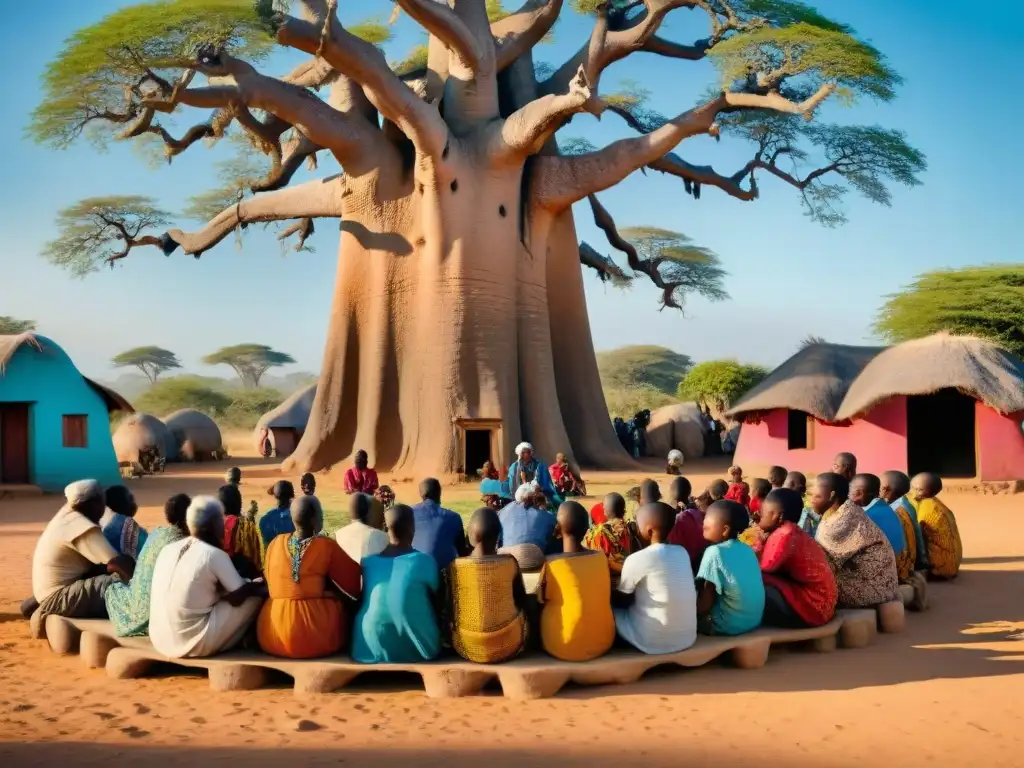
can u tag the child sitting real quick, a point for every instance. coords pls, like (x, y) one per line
(688, 529)
(777, 477)
(655, 603)
(730, 592)
(938, 527)
(737, 489)
(759, 490)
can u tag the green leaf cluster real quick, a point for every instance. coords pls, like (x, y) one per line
(643, 365)
(720, 383)
(981, 301)
(249, 361)
(11, 326)
(693, 268)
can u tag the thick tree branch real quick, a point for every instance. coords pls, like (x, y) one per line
(527, 129)
(516, 34)
(672, 50)
(314, 199)
(443, 23)
(365, 64)
(606, 223)
(695, 176)
(303, 228)
(606, 268)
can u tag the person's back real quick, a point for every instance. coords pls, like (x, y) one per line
(663, 618)
(437, 531)
(526, 525)
(576, 622)
(941, 537)
(882, 515)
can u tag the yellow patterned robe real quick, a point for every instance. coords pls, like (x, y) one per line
(941, 537)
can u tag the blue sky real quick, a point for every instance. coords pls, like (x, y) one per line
(788, 277)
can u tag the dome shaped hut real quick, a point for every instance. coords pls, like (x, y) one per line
(278, 431)
(139, 433)
(197, 435)
(676, 427)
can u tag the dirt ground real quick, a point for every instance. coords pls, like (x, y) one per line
(941, 693)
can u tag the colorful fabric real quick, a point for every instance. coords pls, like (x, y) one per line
(304, 617)
(860, 556)
(576, 620)
(397, 622)
(755, 505)
(385, 496)
(740, 493)
(809, 520)
(732, 568)
(242, 537)
(614, 538)
(533, 471)
(439, 532)
(688, 532)
(752, 536)
(663, 616)
(361, 480)
(128, 604)
(276, 522)
(527, 525)
(905, 563)
(798, 568)
(487, 627)
(904, 503)
(941, 538)
(124, 534)
(882, 515)
(564, 481)
(597, 515)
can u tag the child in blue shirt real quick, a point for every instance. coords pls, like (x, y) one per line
(730, 591)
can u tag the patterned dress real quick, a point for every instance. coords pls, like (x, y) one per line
(798, 568)
(242, 537)
(860, 556)
(128, 604)
(616, 538)
(941, 537)
(124, 534)
(486, 625)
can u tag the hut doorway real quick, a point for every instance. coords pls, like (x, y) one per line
(480, 441)
(14, 464)
(478, 449)
(941, 434)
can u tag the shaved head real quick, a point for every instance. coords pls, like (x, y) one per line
(655, 521)
(796, 481)
(573, 520)
(400, 524)
(845, 464)
(830, 490)
(307, 515)
(431, 489)
(864, 489)
(649, 492)
(894, 485)
(485, 529)
(925, 485)
(718, 489)
(614, 506)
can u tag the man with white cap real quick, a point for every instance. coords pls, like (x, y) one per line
(526, 469)
(73, 563)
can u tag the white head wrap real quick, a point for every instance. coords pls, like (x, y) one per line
(81, 491)
(675, 456)
(523, 447)
(526, 490)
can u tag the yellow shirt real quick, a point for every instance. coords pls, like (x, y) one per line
(576, 622)
(941, 537)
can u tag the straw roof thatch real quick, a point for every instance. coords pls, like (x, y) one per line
(11, 344)
(814, 380)
(293, 413)
(976, 367)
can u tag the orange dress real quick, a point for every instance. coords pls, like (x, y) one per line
(303, 618)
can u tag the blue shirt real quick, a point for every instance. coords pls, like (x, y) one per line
(522, 525)
(922, 550)
(884, 517)
(733, 568)
(274, 523)
(809, 520)
(437, 530)
(396, 622)
(540, 477)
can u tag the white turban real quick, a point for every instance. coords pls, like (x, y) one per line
(675, 457)
(523, 447)
(525, 491)
(81, 491)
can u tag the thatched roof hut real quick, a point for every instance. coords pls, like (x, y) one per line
(197, 435)
(973, 366)
(283, 426)
(814, 381)
(140, 432)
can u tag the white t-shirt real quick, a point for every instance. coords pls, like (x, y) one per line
(360, 540)
(70, 545)
(189, 580)
(663, 618)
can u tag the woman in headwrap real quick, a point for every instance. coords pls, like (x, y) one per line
(118, 522)
(242, 539)
(528, 469)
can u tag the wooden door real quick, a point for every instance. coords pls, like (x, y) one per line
(14, 468)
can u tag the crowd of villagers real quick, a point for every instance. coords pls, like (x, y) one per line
(404, 584)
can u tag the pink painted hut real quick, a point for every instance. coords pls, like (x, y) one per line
(946, 404)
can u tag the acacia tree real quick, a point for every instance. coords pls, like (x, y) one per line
(980, 301)
(152, 361)
(458, 254)
(249, 361)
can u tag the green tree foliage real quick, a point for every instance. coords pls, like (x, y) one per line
(249, 361)
(981, 301)
(626, 402)
(719, 383)
(102, 230)
(672, 256)
(177, 392)
(12, 326)
(248, 405)
(151, 361)
(652, 366)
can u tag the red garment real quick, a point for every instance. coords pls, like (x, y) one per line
(793, 563)
(230, 521)
(755, 504)
(561, 477)
(597, 513)
(688, 532)
(738, 492)
(361, 480)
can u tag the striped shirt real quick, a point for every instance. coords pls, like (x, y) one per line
(663, 618)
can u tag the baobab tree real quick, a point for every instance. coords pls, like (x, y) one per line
(458, 253)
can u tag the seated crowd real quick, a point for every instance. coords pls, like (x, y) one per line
(401, 584)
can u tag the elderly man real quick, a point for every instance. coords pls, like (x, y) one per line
(73, 564)
(845, 465)
(527, 524)
(200, 605)
(527, 468)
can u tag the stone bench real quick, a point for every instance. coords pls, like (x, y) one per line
(528, 677)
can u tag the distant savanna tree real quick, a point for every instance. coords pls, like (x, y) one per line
(719, 383)
(11, 326)
(981, 301)
(152, 361)
(249, 361)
